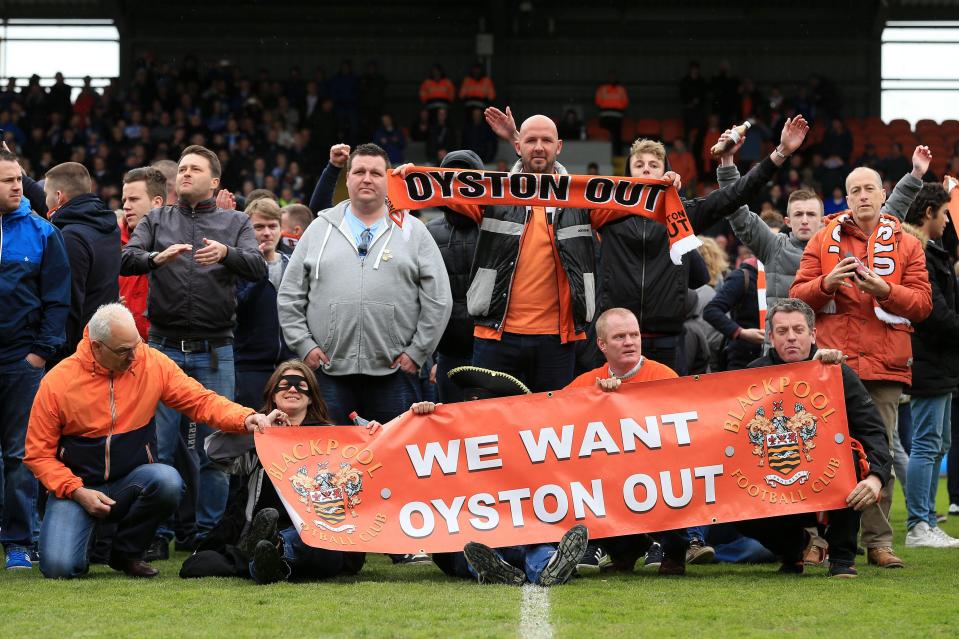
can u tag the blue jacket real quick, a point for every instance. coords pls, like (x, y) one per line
(34, 286)
(92, 238)
(258, 342)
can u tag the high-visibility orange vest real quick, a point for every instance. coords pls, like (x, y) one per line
(477, 92)
(437, 91)
(612, 99)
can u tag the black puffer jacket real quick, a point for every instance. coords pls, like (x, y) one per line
(456, 236)
(935, 344)
(865, 425)
(92, 238)
(637, 272)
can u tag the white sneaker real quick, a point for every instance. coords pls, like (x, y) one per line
(954, 509)
(951, 542)
(921, 536)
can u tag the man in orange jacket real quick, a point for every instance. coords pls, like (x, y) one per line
(868, 282)
(91, 442)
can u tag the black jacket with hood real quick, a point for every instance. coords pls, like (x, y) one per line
(935, 344)
(456, 237)
(92, 238)
(637, 272)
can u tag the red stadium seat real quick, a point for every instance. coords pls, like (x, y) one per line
(648, 128)
(899, 126)
(594, 131)
(672, 128)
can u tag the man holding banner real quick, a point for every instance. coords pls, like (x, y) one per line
(792, 329)
(533, 281)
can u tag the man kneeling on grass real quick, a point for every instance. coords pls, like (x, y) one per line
(792, 331)
(92, 442)
(540, 564)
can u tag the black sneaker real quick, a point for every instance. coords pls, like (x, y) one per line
(159, 550)
(185, 545)
(268, 565)
(563, 562)
(262, 527)
(593, 560)
(654, 556)
(792, 567)
(490, 567)
(842, 572)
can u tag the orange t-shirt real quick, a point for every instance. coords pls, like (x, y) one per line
(534, 304)
(650, 371)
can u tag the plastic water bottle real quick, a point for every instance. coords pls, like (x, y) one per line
(734, 137)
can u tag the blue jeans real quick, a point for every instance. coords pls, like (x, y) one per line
(19, 382)
(530, 559)
(541, 362)
(250, 385)
(379, 397)
(306, 562)
(144, 498)
(214, 484)
(931, 438)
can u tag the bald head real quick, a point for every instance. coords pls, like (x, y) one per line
(538, 121)
(538, 144)
(863, 173)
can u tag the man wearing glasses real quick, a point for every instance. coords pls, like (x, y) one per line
(92, 442)
(365, 298)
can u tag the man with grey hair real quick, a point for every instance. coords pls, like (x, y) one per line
(868, 282)
(92, 442)
(791, 325)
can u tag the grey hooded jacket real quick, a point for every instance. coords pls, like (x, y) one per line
(363, 313)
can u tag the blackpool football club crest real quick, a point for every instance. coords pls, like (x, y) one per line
(783, 443)
(329, 496)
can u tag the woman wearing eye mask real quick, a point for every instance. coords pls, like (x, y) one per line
(256, 538)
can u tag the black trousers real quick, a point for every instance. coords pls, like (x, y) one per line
(785, 536)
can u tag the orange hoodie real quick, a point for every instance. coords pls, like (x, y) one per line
(89, 425)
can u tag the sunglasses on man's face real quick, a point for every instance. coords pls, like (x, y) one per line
(297, 382)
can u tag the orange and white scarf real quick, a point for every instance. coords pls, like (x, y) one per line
(882, 255)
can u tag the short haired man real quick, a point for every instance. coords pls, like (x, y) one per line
(144, 189)
(935, 350)
(619, 339)
(294, 220)
(169, 170)
(792, 327)
(192, 301)
(35, 298)
(868, 281)
(259, 347)
(365, 298)
(92, 239)
(92, 443)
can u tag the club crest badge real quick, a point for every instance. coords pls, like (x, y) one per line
(783, 443)
(329, 496)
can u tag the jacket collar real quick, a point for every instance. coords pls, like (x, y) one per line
(203, 206)
(776, 359)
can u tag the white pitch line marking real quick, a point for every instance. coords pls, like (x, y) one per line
(534, 614)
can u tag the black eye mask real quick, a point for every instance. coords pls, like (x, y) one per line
(292, 381)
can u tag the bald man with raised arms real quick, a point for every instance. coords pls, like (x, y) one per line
(533, 280)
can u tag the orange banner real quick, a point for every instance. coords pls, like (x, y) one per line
(654, 199)
(521, 470)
